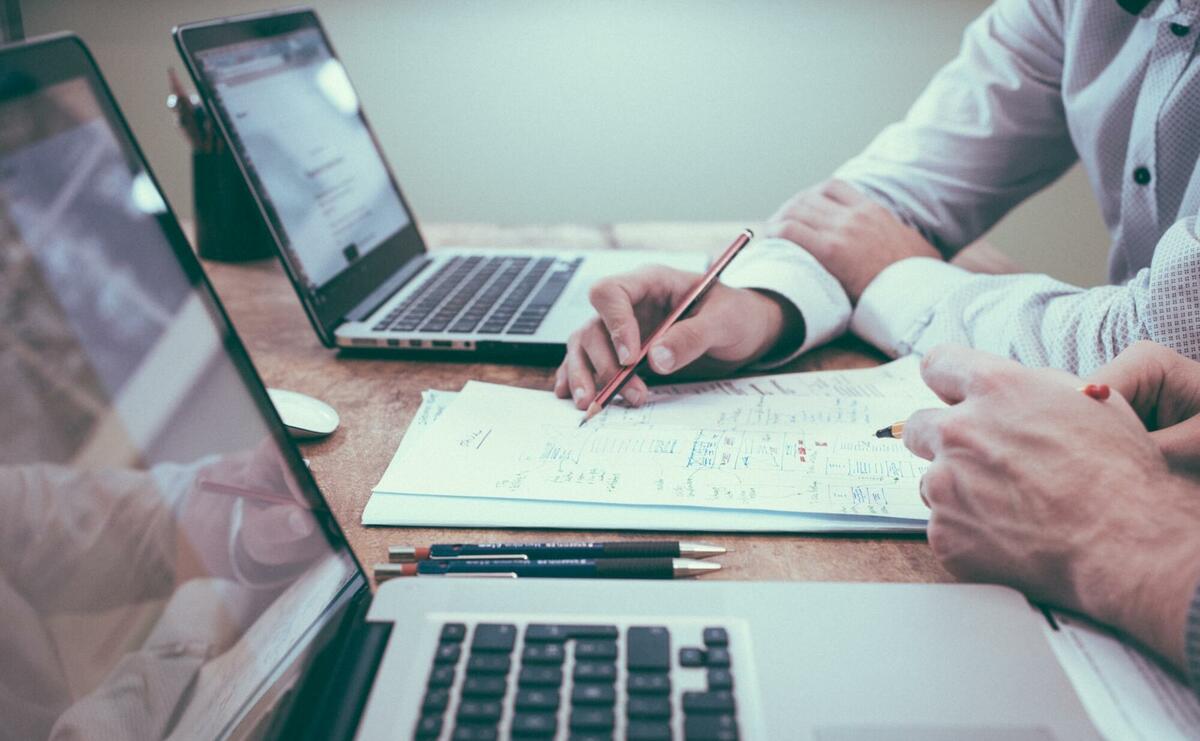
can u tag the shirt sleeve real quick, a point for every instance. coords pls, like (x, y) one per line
(988, 131)
(786, 269)
(918, 303)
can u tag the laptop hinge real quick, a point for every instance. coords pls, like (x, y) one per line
(334, 693)
(386, 290)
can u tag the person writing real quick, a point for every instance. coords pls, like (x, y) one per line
(1095, 508)
(1037, 86)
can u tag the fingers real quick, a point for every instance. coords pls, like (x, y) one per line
(797, 232)
(922, 432)
(954, 372)
(278, 534)
(1147, 374)
(686, 341)
(842, 193)
(1180, 445)
(589, 363)
(617, 299)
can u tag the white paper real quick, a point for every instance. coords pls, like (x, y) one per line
(392, 509)
(795, 443)
(1126, 693)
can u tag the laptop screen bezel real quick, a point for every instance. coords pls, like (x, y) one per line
(47, 60)
(327, 306)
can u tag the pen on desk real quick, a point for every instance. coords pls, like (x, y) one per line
(1097, 391)
(572, 568)
(526, 551)
(692, 298)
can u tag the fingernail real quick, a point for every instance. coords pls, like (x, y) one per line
(663, 359)
(578, 393)
(623, 354)
(633, 396)
(299, 524)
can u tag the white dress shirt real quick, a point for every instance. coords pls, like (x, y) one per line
(1037, 85)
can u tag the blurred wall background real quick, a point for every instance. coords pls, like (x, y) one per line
(625, 110)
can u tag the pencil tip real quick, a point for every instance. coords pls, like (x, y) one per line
(885, 432)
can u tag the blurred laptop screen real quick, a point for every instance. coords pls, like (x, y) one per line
(163, 554)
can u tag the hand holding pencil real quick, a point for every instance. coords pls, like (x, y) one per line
(725, 329)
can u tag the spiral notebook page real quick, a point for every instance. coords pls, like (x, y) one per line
(795, 443)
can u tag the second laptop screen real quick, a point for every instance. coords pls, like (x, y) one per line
(302, 137)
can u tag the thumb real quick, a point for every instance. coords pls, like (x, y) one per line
(686, 341)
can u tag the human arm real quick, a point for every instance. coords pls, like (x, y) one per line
(1035, 485)
(917, 304)
(988, 131)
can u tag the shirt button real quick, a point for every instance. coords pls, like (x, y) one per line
(1141, 176)
(1179, 30)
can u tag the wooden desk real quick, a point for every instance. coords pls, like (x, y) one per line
(377, 399)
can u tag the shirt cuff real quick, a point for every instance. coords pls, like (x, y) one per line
(1191, 648)
(899, 303)
(787, 269)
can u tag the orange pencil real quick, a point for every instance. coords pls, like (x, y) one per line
(691, 299)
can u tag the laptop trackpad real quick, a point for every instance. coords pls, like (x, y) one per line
(932, 733)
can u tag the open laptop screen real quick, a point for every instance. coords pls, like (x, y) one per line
(296, 122)
(288, 109)
(163, 551)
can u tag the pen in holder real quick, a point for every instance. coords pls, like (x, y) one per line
(229, 225)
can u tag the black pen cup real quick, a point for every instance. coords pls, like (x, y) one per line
(229, 224)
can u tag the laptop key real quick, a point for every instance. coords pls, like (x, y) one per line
(494, 637)
(475, 733)
(710, 728)
(648, 649)
(441, 676)
(539, 632)
(592, 719)
(543, 653)
(537, 699)
(595, 650)
(593, 694)
(540, 676)
(648, 684)
(691, 657)
(648, 707)
(484, 687)
(429, 726)
(534, 724)
(435, 701)
(488, 664)
(447, 653)
(720, 679)
(648, 730)
(718, 657)
(590, 671)
(720, 701)
(453, 633)
(716, 637)
(486, 711)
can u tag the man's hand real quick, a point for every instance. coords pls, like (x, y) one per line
(729, 328)
(1163, 387)
(852, 236)
(1035, 485)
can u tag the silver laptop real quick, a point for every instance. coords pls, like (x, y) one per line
(168, 567)
(346, 234)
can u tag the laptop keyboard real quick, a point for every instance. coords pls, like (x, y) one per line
(577, 682)
(486, 295)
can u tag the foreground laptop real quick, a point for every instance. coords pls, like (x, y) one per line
(347, 236)
(168, 567)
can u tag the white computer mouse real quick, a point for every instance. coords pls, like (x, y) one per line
(306, 418)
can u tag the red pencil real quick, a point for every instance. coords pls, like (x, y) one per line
(691, 299)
